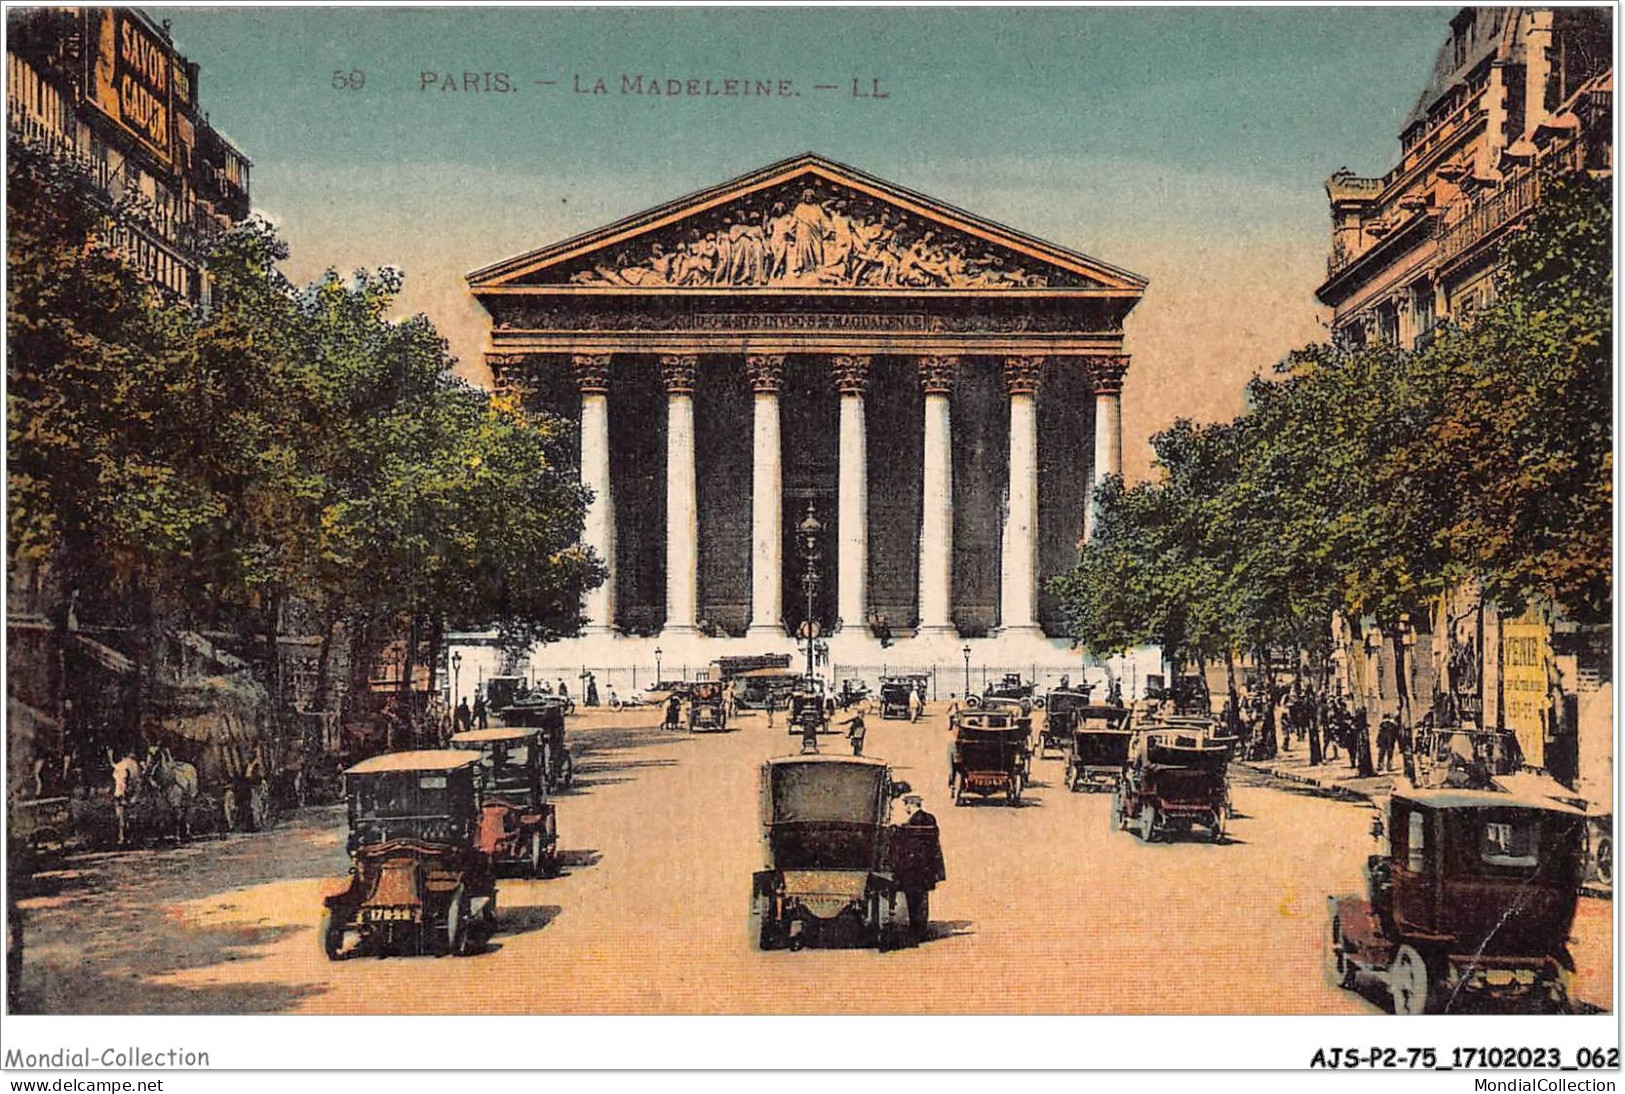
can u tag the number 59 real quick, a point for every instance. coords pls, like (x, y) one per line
(354, 80)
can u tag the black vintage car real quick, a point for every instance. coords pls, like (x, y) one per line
(1471, 902)
(1061, 718)
(897, 697)
(417, 875)
(808, 709)
(832, 861)
(1098, 747)
(546, 722)
(518, 825)
(706, 710)
(1011, 686)
(991, 753)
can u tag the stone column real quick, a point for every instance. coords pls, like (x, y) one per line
(766, 501)
(682, 517)
(852, 559)
(1107, 373)
(598, 529)
(1018, 575)
(937, 517)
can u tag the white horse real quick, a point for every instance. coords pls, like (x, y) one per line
(176, 784)
(126, 788)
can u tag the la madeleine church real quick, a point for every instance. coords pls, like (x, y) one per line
(940, 393)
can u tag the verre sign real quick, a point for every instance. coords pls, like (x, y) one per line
(131, 77)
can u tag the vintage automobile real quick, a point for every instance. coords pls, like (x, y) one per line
(853, 695)
(1176, 777)
(1061, 718)
(1011, 686)
(417, 872)
(547, 722)
(990, 753)
(896, 697)
(1098, 747)
(706, 710)
(831, 860)
(758, 687)
(518, 825)
(1473, 900)
(808, 707)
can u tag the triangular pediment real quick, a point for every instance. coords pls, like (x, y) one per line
(805, 224)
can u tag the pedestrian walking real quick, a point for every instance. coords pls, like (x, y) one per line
(464, 718)
(855, 731)
(481, 716)
(1387, 738)
(564, 692)
(592, 690)
(730, 700)
(674, 708)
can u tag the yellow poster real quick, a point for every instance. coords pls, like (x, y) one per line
(1526, 653)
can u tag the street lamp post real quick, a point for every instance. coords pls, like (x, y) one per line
(810, 529)
(966, 652)
(456, 665)
(658, 677)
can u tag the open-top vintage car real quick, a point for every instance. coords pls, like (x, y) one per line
(832, 861)
(1061, 717)
(1097, 748)
(706, 711)
(1474, 898)
(1176, 777)
(417, 872)
(759, 687)
(1011, 686)
(991, 753)
(518, 825)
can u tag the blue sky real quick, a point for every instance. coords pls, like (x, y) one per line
(1189, 145)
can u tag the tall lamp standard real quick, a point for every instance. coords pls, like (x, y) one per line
(658, 677)
(456, 665)
(966, 652)
(810, 529)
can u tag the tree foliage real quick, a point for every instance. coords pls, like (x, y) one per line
(1366, 480)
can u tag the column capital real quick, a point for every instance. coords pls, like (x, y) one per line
(1107, 371)
(851, 373)
(505, 366)
(1022, 375)
(591, 372)
(678, 370)
(937, 373)
(766, 371)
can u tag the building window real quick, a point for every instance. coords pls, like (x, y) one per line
(1388, 325)
(1422, 313)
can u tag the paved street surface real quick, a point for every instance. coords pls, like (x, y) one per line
(1045, 908)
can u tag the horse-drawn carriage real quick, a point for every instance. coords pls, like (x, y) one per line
(706, 710)
(1098, 747)
(518, 825)
(1176, 777)
(832, 860)
(1061, 717)
(991, 752)
(1473, 899)
(417, 871)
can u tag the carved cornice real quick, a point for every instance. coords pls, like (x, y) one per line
(678, 370)
(937, 374)
(1107, 372)
(1022, 375)
(591, 372)
(851, 374)
(766, 371)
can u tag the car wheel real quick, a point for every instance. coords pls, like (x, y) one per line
(1409, 984)
(1605, 860)
(457, 922)
(331, 933)
(1339, 970)
(1148, 823)
(616, 706)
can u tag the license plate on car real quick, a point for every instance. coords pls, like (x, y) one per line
(389, 915)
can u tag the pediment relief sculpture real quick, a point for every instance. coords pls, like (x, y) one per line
(815, 236)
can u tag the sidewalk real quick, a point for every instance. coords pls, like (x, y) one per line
(1336, 779)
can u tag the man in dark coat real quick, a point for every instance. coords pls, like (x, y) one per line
(481, 719)
(674, 708)
(855, 731)
(464, 719)
(916, 861)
